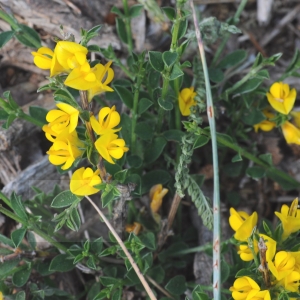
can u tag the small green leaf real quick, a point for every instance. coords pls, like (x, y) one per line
(148, 240)
(201, 141)
(22, 36)
(117, 294)
(21, 296)
(286, 182)
(9, 121)
(144, 130)
(61, 263)
(154, 177)
(215, 75)
(7, 266)
(3, 114)
(256, 172)
(267, 157)
(75, 220)
(121, 30)
(125, 95)
(143, 105)
(253, 117)
(31, 239)
(165, 103)
(116, 11)
(176, 285)
(182, 29)
(93, 48)
(169, 12)
(135, 10)
(17, 236)
(64, 199)
(38, 113)
(97, 245)
(21, 277)
(225, 270)
(5, 37)
(18, 206)
(121, 176)
(91, 263)
(134, 161)
(236, 158)
(63, 96)
(249, 86)
(156, 60)
(169, 58)
(6, 241)
(109, 281)
(233, 59)
(176, 72)
(157, 273)
(173, 135)
(244, 272)
(152, 153)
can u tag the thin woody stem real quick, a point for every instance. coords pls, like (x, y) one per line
(173, 210)
(133, 263)
(85, 106)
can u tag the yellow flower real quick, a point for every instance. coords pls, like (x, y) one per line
(186, 100)
(291, 133)
(1, 296)
(245, 288)
(296, 255)
(83, 182)
(291, 282)
(90, 79)
(290, 218)
(135, 228)
(109, 146)
(70, 55)
(101, 72)
(265, 125)
(59, 120)
(108, 119)
(156, 194)
(246, 254)
(283, 265)
(296, 118)
(242, 224)
(281, 97)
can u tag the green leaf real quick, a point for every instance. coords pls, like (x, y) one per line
(286, 182)
(117, 294)
(134, 161)
(233, 169)
(295, 62)
(157, 273)
(109, 281)
(9, 121)
(64, 199)
(38, 113)
(148, 239)
(267, 157)
(74, 220)
(18, 206)
(256, 172)
(215, 75)
(153, 78)
(144, 130)
(91, 263)
(143, 105)
(169, 12)
(176, 285)
(165, 103)
(24, 33)
(7, 266)
(157, 146)
(93, 48)
(17, 236)
(6, 241)
(97, 245)
(244, 272)
(3, 114)
(21, 296)
(121, 30)
(116, 11)
(125, 95)
(236, 158)
(249, 86)
(176, 72)
(253, 117)
(262, 74)
(154, 177)
(267, 229)
(169, 58)
(173, 135)
(156, 60)
(201, 141)
(135, 10)
(61, 263)
(5, 37)
(121, 176)
(225, 270)
(182, 29)
(63, 96)
(31, 239)
(21, 277)
(233, 59)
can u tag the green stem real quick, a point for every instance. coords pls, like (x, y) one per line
(161, 111)
(12, 215)
(177, 118)
(30, 119)
(127, 25)
(227, 35)
(216, 199)
(5, 199)
(137, 86)
(207, 288)
(251, 247)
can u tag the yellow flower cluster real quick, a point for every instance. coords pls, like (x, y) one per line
(70, 57)
(186, 100)
(282, 99)
(284, 266)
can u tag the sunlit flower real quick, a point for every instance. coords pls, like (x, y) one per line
(104, 75)
(157, 192)
(281, 97)
(186, 100)
(90, 79)
(135, 228)
(242, 224)
(45, 59)
(291, 133)
(265, 125)
(245, 288)
(83, 182)
(70, 55)
(290, 218)
(109, 147)
(59, 120)
(296, 255)
(246, 254)
(283, 265)
(108, 119)
(291, 282)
